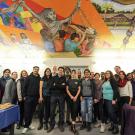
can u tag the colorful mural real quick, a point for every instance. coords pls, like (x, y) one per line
(78, 30)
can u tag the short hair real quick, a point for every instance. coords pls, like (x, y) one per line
(5, 70)
(86, 70)
(118, 66)
(35, 67)
(61, 68)
(14, 72)
(74, 35)
(97, 74)
(73, 71)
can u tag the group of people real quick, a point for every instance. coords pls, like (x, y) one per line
(92, 98)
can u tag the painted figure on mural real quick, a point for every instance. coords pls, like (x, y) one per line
(51, 25)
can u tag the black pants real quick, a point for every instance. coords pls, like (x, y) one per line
(74, 109)
(109, 111)
(29, 109)
(123, 100)
(98, 110)
(133, 101)
(21, 105)
(68, 108)
(46, 109)
(60, 101)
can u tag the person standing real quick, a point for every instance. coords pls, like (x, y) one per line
(133, 87)
(20, 89)
(10, 93)
(73, 91)
(31, 96)
(87, 97)
(58, 92)
(3, 81)
(110, 97)
(44, 100)
(125, 90)
(117, 70)
(98, 100)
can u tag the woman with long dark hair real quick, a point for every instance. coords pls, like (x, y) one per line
(45, 86)
(125, 90)
(20, 88)
(110, 97)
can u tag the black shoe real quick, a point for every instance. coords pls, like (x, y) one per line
(40, 126)
(116, 129)
(83, 126)
(46, 127)
(50, 129)
(68, 123)
(61, 128)
(111, 128)
(18, 126)
(89, 127)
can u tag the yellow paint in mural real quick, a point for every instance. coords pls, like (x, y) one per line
(25, 14)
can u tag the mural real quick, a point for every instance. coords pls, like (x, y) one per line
(119, 16)
(57, 35)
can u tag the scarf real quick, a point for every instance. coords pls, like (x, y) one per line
(122, 83)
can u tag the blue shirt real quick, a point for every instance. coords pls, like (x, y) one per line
(107, 91)
(70, 46)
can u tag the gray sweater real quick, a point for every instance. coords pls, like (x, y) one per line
(10, 92)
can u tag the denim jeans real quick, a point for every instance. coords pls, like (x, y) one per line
(86, 109)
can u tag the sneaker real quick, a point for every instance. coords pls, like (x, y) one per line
(97, 125)
(102, 129)
(24, 130)
(31, 127)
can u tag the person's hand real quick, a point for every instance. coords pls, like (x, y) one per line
(71, 97)
(74, 99)
(113, 102)
(95, 100)
(40, 100)
(81, 98)
(24, 98)
(20, 100)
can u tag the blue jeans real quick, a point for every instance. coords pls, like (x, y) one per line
(86, 109)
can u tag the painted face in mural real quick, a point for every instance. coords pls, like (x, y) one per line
(52, 15)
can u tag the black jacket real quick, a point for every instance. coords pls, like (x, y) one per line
(58, 85)
(31, 86)
(115, 89)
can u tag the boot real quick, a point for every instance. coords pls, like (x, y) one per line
(40, 126)
(83, 126)
(18, 126)
(111, 128)
(73, 129)
(102, 129)
(88, 126)
(46, 127)
(116, 129)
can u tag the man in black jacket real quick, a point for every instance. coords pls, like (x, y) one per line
(31, 96)
(58, 97)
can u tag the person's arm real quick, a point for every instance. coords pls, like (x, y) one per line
(41, 91)
(78, 92)
(130, 92)
(19, 91)
(68, 92)
(26, 83)
(69, 19)
(7, 93)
